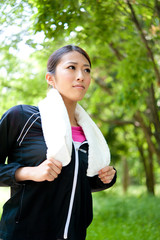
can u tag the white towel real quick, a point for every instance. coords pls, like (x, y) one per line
(58, 136)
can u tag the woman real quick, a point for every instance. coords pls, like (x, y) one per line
(56, 157)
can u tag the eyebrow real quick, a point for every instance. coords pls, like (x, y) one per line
(86, 65)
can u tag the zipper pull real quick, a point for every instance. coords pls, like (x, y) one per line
(82, 150)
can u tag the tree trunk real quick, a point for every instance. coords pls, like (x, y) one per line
(125, 177)
(150, 178)
(154, 117)
(145, 41)
(148, 168)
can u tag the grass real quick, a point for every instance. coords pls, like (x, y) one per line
(134, 216)
(4, 196)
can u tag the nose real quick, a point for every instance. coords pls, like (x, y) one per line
(80, 76)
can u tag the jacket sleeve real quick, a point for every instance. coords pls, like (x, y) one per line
(9, 126)
(97, 185)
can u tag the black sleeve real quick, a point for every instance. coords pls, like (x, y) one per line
(97, 185)
(9, 128)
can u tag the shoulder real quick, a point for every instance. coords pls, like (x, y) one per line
(21, 109)
(13, 120)
(24, 108)
(29, 110)
(19, 113)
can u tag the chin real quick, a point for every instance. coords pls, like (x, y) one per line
(73, 99)
(79, 99)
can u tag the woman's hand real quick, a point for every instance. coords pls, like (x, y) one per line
(46, 171)
(106, 174)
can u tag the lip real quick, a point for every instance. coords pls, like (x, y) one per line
(79, 86)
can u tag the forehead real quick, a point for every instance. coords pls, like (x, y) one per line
(74, 56)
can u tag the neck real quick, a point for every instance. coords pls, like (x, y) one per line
(71, 112)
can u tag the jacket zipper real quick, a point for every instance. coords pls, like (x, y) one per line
(73, 191)
(21, 203)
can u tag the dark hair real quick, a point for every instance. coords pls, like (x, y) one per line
(56, 56)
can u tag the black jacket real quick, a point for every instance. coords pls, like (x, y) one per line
(39, 210)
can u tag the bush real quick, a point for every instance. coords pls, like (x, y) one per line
(125, 217)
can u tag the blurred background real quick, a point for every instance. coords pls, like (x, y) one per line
(123, 40)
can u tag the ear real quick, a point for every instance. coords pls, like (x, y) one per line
(50, 79)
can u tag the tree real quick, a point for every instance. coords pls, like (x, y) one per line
(122, 38)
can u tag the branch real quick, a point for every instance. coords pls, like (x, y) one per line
(117, 53)
(119, 122)
(147, 134)
(157, 7)
(146, 6)
(123, 7)
(116, 122)
(144, 40)
(103, 85)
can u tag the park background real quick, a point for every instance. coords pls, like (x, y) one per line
(123, 40)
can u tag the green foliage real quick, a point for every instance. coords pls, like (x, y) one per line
(125, 217)
(123, 67)
(105, 23)
(21, 82)
(110, 36)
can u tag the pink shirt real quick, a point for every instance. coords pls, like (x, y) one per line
(78, 134)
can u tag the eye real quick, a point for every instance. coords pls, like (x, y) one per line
(88, 70)
(72, 67)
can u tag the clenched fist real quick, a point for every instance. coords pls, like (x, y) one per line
(46, 171)
(106, 174)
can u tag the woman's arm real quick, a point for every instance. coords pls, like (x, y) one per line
(105, 179)
(9, 125)
(46, 171)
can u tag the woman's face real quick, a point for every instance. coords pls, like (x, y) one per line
(72, 77)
